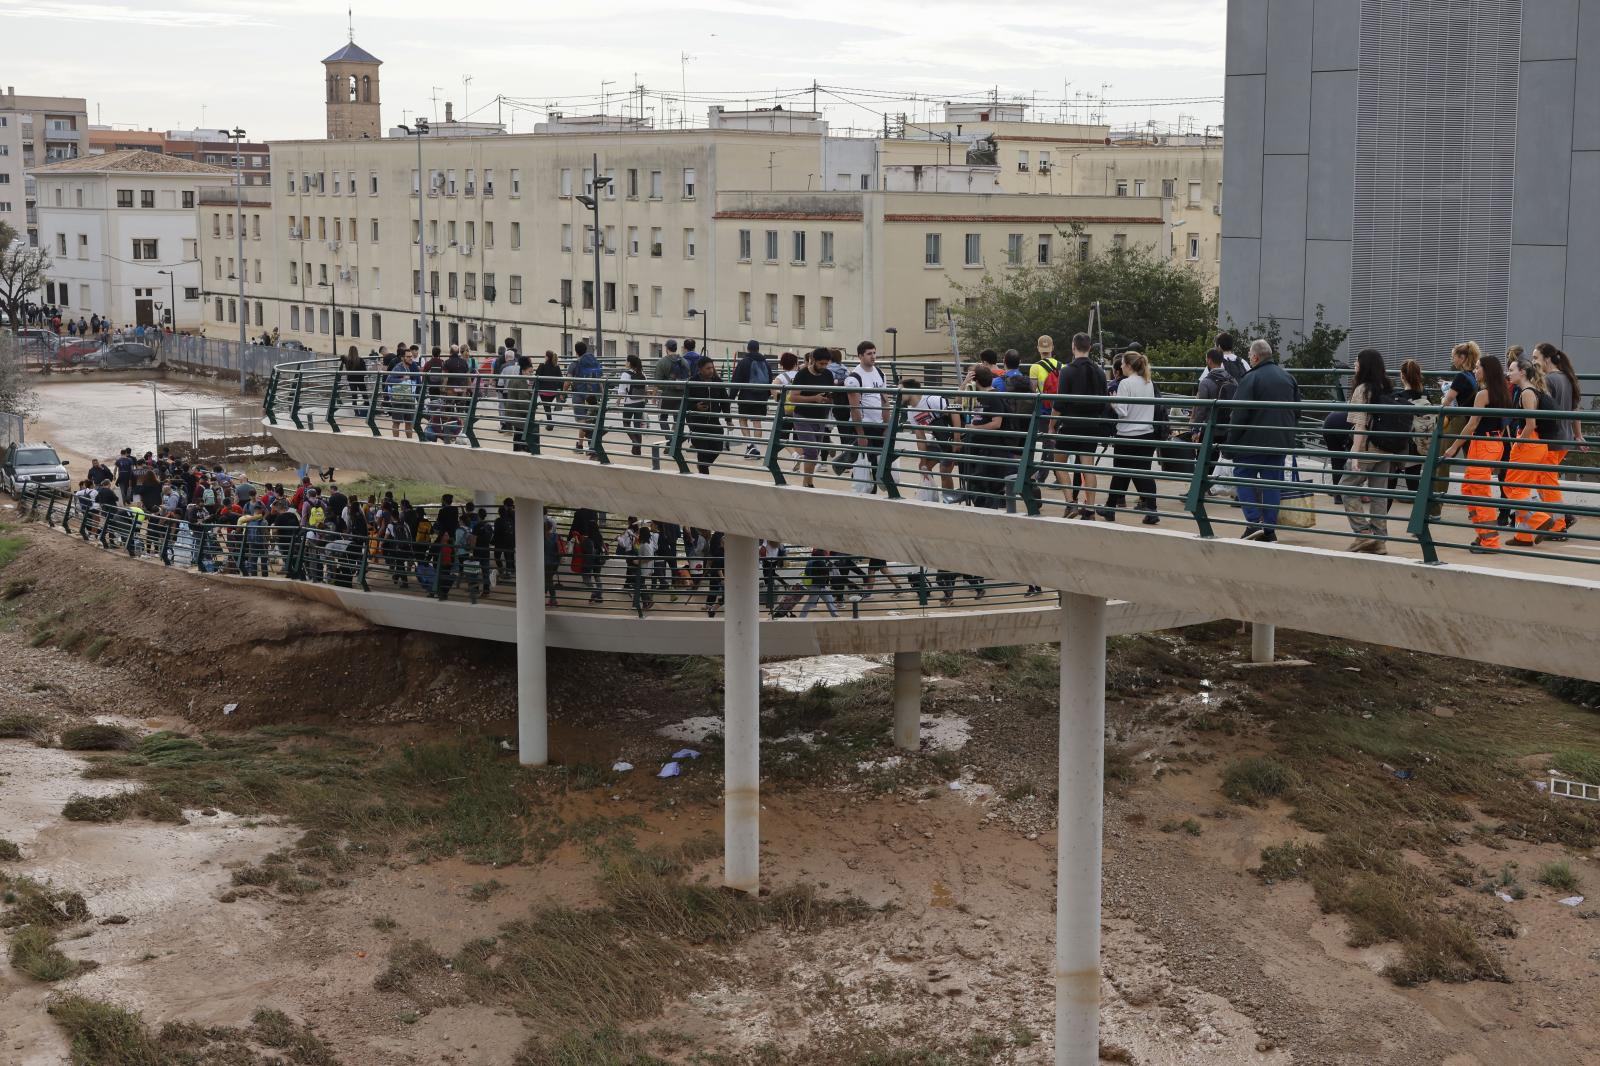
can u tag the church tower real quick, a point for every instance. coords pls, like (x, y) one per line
(352, 91)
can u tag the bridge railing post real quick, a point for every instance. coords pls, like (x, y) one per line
(421, 406)
(773, 460)
(333, 399)
(1022, 480)
(373, 400)
(595, 446)
(1195, 501)
(530, 422)
(884, 465)
(675, 449)
(469, 419)
(294, 398)
(1422, 502)
(269, 400)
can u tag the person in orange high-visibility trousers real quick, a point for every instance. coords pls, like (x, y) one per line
(1527, 382)
(1483, 439)
(1561, 383)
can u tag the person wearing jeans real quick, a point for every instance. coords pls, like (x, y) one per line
(1259, 439)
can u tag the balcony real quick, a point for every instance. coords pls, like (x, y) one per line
(63, 136)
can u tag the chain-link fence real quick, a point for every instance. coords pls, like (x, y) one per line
(223, 356)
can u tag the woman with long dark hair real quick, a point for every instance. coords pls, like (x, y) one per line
(1483, 439)
(1561, 383)
(1368, 514)
(1527, 449)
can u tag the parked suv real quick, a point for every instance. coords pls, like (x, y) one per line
(33, 463)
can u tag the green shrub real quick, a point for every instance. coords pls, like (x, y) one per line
(1257, 778)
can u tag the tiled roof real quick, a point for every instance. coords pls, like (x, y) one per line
(352, 53)
(129, 161)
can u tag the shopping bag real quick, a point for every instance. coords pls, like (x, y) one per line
(1297, 495)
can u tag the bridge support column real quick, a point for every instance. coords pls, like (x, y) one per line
(533, 729)
(1079, 821)
(1263, 642)
(908, 700)
(741, 711)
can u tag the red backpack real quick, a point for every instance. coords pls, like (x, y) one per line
(1052, 382)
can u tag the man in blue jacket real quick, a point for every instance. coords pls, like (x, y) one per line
(1251, 431)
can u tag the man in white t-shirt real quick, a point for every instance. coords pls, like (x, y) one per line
(936, 425)
(866, 404)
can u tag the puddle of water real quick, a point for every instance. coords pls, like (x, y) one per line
(97, 419)
(801, 675)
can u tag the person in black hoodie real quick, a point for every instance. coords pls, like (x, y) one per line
(706, 404)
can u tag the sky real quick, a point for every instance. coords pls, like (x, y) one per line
(181, 64)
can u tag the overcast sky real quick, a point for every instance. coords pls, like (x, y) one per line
(256, 63)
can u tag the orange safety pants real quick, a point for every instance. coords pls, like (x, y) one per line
(1520, 485)
(1550, 484)
(1479, 481)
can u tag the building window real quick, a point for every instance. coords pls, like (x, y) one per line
(469, 286)
(1043, 256)
(588, 186)
(1083, 249)
(688, 183)
(633, 299)
(633, 184)
(142, 248)
(488, 234)
(1013, 249)
(294, 314)
(416, 283)
(688, 302)
(827, 312)
(374, 237)
(1122, 187)
(1119, 241)
(452, 286)
(147, 198)
(974, 250)
(799, 240)
(611, 240)
(322, 320)
(744, 246)
(1022, 161)
(744, 307)
(587, 289)
(930, 314)
(377, 280)
(633, 240)
(516, 182)
(488, 181)
(1169, 188)
(932, 253)
(588, 240)
(83, 247)
(608, 294)
(489, 291)
(799, 312)
(61, 245)
(516, 288)
(1194, 194)
(655, 185)
(565, 186)
(688, 244)
(472, 182)
(655, 300)
(377, 327)
(611, 183)
(772, 309)
(655, 242)
(772, 246)
(1194, 246)
(125, 199)
(188, 199)
(1138, 186)
(191, 293)
(566, 236)
(827, 248)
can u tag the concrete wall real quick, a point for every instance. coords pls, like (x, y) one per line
(1294, 77)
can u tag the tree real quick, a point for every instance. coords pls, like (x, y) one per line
(1143, 297)
(22, 271)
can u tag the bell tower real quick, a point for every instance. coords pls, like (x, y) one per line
(350, 84)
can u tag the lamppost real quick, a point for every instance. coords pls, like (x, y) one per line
(419, 131)
(236, 135)
(705, 331)
(173, 285)
(564, 305)
(593, 204)
(894, 353)
(333, 312)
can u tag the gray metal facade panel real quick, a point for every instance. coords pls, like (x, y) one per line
(1585, 353)
(1328, 280)
(1583, 252)
(1283, 243)
(1247, 37)
(1288, 115)
(1544, 152)
(1586, 116)
(1538, 295)
(1240, 290)
(1332, 188)
(1243, 117)
(1549, 29)
(1337, 43)
(1435, 156)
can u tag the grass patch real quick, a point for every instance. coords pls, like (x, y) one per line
(1188, 825)
(9, 852)
(11, 545)
(33, 952)
(1255, 779)
(29, 902)
(1282, 862)
(1558, 875)
(1578, 765)
(21, 726)
(96, 647)
(137, 803)
(97, 737)
(418, 492)
(607, 1046)
(483, 890)
(104, 1034)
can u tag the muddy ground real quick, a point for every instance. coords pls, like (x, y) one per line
(1205, 961)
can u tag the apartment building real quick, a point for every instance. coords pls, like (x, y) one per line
(121, 230)
(34, 130)
(202, 146)
(505, 245)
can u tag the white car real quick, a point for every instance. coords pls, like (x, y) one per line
(33, 464)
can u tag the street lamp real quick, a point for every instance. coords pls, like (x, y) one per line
(236, 135)
(592, 202)
(894, 352)
(564, 305)
(419, 131)
(705, 331)
(173, 285)
(333, 312)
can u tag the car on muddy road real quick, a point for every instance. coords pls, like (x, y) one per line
(33, 464)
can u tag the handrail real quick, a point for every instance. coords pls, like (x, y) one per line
(1222, 448)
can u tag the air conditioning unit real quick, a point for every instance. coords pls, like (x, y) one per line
(1216, 209)
(294, 233)
(488, 293)
(466, 249)
(1022, 167)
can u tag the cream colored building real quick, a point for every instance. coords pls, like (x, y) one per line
(34, 131)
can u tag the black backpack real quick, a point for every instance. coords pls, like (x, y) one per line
(1548, 428)
(1391, 430)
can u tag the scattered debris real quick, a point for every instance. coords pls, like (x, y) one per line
(1276, 663)
(620, 767)
(229, 708)
(671, 769)
(1570, 901)
(686, 753)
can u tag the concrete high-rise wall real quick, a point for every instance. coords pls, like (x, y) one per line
(1419, 168)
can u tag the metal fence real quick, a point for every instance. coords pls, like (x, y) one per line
(223, 356)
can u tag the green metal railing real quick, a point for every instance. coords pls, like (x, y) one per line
(1198, 471)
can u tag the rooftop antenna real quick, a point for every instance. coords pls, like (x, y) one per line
(437, 89)
(350, 12)
(466, 100)
(683, 73)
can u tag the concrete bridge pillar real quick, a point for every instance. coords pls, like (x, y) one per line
(533, 729)
(908, 700)
(741, 710)
(1263, 642)
(1079, 821)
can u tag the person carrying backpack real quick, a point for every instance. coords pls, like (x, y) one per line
(586, 376)
(752, 370)
(1384, 437)
(1215, 384)
(671, 372)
